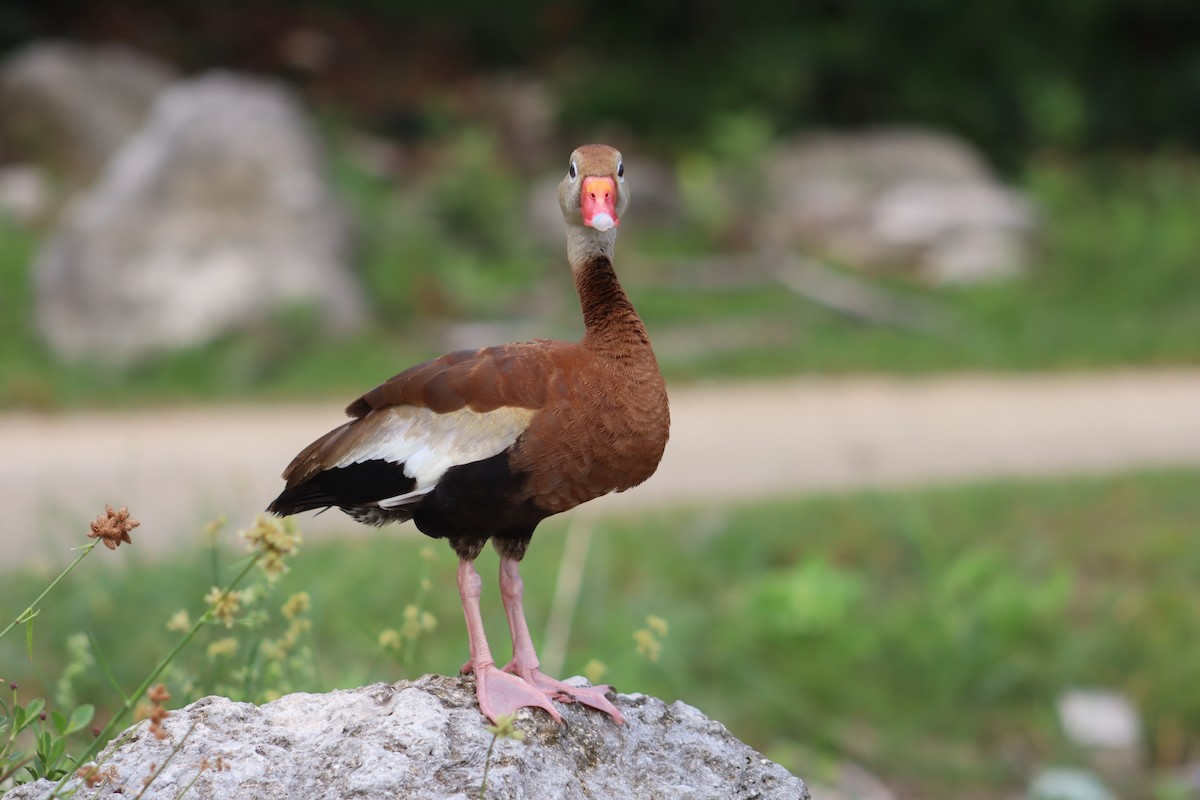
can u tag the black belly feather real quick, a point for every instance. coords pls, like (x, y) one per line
(471, 502)
(477, 501)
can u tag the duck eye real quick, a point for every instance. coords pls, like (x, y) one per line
(620, 169)
(572, 173)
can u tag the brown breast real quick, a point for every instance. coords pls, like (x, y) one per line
(603, 429)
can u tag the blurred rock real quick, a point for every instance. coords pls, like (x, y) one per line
(24, 193)
(426, 740)
(1107, 726)
(1097, 718)
(215, 214)
(1068, 784)
(897, 199)
(68, 107)
(851, 782)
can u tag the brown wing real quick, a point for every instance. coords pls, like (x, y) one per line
(514, 375)
(470, 403)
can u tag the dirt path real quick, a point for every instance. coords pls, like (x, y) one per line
(177, 467)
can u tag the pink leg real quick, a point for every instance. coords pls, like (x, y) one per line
(499, 693)
(525, 660)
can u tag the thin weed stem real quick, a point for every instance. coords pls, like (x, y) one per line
(487, 762)
(31, 612)
(566, 595)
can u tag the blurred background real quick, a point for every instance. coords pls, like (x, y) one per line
(923, 276)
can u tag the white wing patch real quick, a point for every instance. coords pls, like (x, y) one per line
(405, 499)
(428, 443)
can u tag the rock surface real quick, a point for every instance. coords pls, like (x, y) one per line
(897, 199)
(425, 740)
(214, 215)
(68, 107)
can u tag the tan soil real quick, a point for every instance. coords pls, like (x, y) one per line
(176, 468)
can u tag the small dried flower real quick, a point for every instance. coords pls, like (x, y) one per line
(416, 622)
(212, 529)
(647, 645)
(648, 639)
(272, 650)
(113, 527)
(505, 728)
(273, 539)
(296, 605)
(594, 671)
(224, 605)
(154, 710)
(216, 764)
(298, 628)
(91, 775)
(389, 639)
(223, 647)
(179, 622)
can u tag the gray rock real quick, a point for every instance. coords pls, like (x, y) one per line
(69, 107)
(24, 193)
(215, 214)
(1100, 718)
(897, 199)
(425, 740)
(1107, 727)
(1064, 783)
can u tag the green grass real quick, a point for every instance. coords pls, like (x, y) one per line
(924, 634)
(1115, 283)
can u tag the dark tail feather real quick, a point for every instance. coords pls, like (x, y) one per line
(351, 486)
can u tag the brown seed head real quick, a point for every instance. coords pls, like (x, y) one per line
(113, 527)
(89, 774)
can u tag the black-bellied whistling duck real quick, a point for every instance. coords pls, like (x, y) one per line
(485, 444)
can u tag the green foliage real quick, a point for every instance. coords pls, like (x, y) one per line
(449, 242)
(49, 731)
(925, 634)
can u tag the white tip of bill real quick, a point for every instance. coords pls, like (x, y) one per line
(603, 222)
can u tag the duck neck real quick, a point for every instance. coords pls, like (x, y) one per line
(609, 318)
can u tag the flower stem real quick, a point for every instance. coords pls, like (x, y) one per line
(487, 762)
(29, 613)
